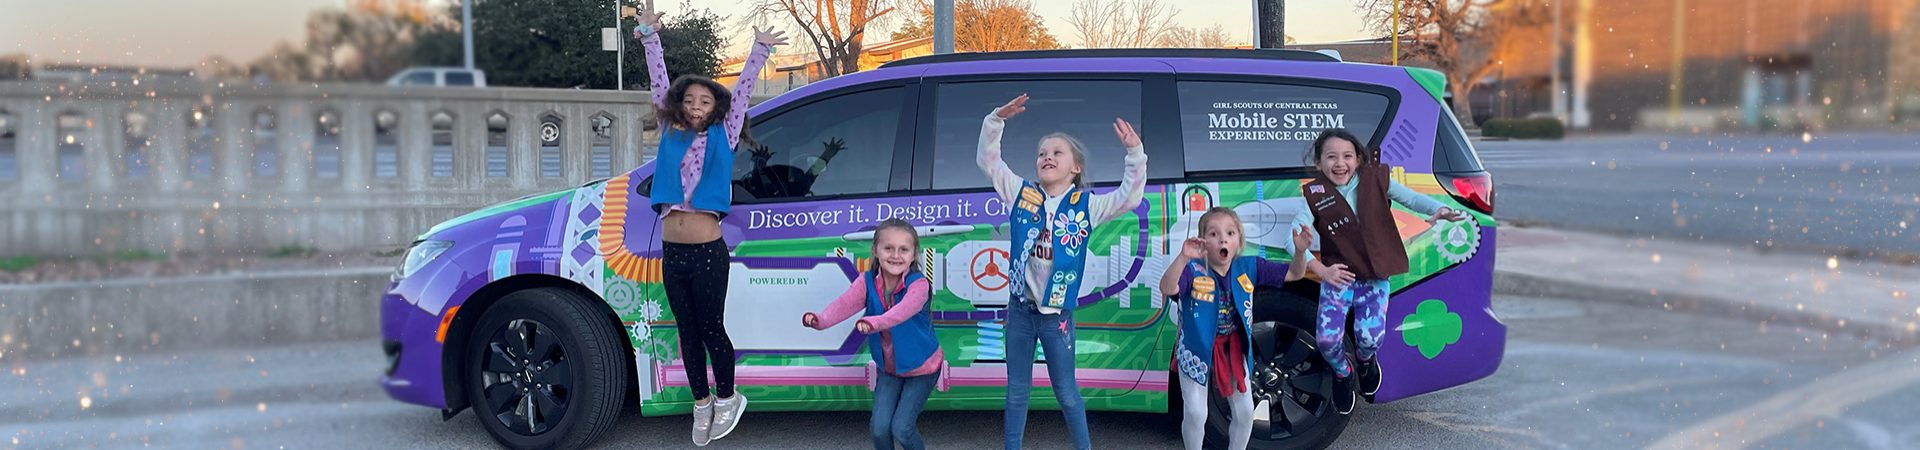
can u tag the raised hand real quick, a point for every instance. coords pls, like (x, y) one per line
(1012, 108)
(832, 147)
(770, 37)
(1194, 248)
(647, 16)
(1124, 131)
(761, 153)
(1302, 239)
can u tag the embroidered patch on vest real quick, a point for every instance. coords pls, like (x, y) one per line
(1203, 288)
(1030, 200)
(1246, 284)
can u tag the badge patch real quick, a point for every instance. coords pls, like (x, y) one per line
(1246, 284)
(1203, 288)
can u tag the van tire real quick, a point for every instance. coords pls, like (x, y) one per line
(570, 367)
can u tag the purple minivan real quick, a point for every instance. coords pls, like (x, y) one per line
(545, 313)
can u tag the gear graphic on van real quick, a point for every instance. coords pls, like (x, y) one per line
(1456, 240)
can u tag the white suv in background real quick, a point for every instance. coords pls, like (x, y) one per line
(440, 77)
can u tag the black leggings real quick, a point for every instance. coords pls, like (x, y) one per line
(696, 281)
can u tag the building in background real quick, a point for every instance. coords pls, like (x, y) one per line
(785, 72)
(1725, 64)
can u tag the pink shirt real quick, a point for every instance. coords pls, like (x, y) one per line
(695, 161)
(855, 299)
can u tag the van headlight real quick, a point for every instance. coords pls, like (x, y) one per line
(423, 252)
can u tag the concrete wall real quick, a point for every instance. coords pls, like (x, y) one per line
(153, 315)
(103, 205)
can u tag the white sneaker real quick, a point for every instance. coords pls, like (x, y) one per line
(727, 413)
(702, 423)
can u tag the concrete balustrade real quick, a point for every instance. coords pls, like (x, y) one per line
(133, 169)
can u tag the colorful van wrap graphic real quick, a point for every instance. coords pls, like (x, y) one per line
(792, 258)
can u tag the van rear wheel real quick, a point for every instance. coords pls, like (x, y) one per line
(1292, 394)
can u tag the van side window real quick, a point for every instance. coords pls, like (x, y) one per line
(1247, 125)
(1084, 109)
(840, 145)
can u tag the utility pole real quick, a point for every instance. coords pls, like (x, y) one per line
(466, 31)
(1270, 23)
(619, 52)
(1582, 63)
(1676, 75)
(942, 27)
(1396, 32)
(1558, 90)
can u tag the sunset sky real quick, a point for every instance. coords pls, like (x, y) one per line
(180, 33)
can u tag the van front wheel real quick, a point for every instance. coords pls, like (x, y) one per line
(544, 371)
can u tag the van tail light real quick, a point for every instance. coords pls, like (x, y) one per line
(1472, 189)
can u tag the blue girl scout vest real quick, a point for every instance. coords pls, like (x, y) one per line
(715, 191)
(913, 340)
(1200, 315)
(1069, 228)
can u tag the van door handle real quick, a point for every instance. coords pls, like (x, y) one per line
(924, 231)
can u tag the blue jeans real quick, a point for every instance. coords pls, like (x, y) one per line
(897, 402)
(1055, 333)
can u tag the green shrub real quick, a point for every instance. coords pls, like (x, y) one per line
(291, 250)
(135, 255)
(1531, 128)
(18, 263)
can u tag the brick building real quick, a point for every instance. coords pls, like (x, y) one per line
(1741, 64)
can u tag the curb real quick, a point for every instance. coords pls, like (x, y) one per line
(1513, 283)
(242, 310)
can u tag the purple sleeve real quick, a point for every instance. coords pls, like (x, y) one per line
(1269, 273)
(1186, 282)
(743, 92)
(656, 73)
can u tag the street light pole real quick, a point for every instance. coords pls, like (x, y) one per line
(466, 32)
(619, 52)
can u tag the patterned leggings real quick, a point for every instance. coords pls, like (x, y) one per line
(696, 281)
(1368, 300)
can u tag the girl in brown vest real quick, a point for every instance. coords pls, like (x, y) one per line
(1360, 248)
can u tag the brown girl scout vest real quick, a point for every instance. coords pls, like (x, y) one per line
(1371, 249)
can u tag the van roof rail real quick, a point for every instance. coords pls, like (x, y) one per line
(1223, 53)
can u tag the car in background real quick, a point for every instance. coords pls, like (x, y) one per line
(439, 77)
(542, 314)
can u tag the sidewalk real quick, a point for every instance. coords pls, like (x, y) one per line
(1870, 299)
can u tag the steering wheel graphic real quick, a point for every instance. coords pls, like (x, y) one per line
(985, 267)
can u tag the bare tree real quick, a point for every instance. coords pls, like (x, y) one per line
(835, 28)
(1461, 38)
(1122, 23)
(1210, 37)
(985, 26)
(369, 40)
